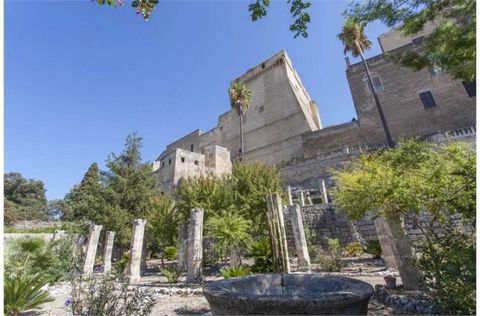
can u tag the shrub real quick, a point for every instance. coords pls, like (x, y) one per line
(170, 253)
(329, 260)
(54, 259)
(229, 230)
(23, 292)
(121, 265)
(373, 248)
(171, 273)
(261, 251)
(353, 249)
(105, 296)
(235, 271)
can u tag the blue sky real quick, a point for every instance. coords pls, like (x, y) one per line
(80, 77)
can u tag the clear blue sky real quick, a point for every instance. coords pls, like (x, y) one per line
(80, 77)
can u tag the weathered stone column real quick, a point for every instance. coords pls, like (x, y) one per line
(132, 274)
(302, 198)
(309, 198)
(182, 249)
(396, 250)
(91, 249)
(195, 247)
(289, 196)
(299, 237)
(235, 257)
(323, 191)
(107, 252)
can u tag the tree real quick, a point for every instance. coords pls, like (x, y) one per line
(162, 223)
(355, 41)
(240, 98)
(230, 230)
(452, 45)
(24, 198)
(86, 200)
(413, 179)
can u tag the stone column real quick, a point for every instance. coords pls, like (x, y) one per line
(300, 240)
(309, 198)
(195, 251)
(396, 250)
(323, 192)
(91, 249)
(107, 252)
(182, 257)
(289, 196)
(302, 198)
(132, 274)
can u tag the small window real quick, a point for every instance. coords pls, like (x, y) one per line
(261, 109)
(196, 162)
(170, 161)
(471, 88)
(427, 100)
(163, 164)
(163, 193)
(263, 66)
(182, 159)
(377, 84)
(191, 147)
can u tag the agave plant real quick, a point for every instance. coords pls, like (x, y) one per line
(235, 271)
(24, 292)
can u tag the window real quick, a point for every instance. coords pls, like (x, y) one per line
(471, 88)
(182, 159)
(261, 109)
(196, 162)
(427, 100)
(170, 161)
(191, 147)
(377, 84)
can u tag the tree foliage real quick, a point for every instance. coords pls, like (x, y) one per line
(244, 191)
(452, 45)
(353, 38)
(410, 180)
(24, 199)
(162, 224)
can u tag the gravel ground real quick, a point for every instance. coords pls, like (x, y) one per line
(182, 300)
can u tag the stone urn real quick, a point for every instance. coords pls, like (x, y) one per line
(288, 294)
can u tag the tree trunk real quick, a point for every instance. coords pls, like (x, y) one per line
(388, 136)
(242, 154)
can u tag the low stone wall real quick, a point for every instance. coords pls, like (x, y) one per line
(326, 222)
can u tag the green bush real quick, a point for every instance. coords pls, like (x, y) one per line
(170, 253)
(235, 271)
(121, 265)
(32, 255)
(23, 292)
(353, 249)
(171, 273)
(261, 252)
(373, 248)
(107, 296)
(329, 260)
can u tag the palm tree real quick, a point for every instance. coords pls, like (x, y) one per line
(355, 41)
(240, 98)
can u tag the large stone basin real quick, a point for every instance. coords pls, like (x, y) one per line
(288, 294)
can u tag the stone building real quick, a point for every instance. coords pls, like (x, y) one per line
(282, 125)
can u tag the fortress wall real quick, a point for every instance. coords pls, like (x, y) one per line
(332, 138)
(401, 103)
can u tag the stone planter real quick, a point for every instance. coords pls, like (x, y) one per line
(288, 294)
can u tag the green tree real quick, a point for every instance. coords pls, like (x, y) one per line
(355, 41)
(251, 182)
(452, 45)
(24, 198)
(162, 224)
(421, 177)
(229, 230)
(258, 10)
(86, 200)
(240, 98)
